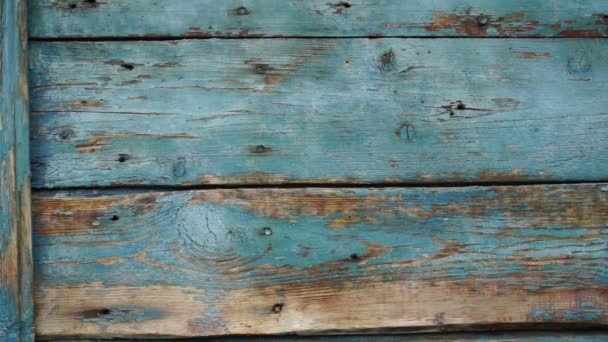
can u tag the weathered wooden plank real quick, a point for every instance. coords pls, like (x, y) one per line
(268, 111)
(268, 261)
(16, 308)
(261, 18)
(529, 336)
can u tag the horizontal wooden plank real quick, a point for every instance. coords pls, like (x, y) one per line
(269, 261)
(529, 336)
(261, 18)
(268, 111)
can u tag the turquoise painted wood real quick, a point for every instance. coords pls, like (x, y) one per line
(325, 18)
(276, 111)
(16, 308)
(267, 261)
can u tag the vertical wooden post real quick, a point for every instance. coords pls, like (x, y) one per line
(16, 309)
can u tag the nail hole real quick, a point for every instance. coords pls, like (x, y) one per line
(461, 106)
(127, 66)
(115, 218)
(354, 256)
(267, 231)
(241, 11)
(72, 6)
(343, 4)
(262, 69)
(260, 149)
(104, 311)
(91, 2)
(123, 158)
(347, 62)
(277, 308)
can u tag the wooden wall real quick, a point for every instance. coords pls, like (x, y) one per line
(253, 167)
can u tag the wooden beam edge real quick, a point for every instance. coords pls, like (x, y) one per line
(16, 309)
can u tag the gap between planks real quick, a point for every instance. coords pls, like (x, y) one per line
(304, 185)
(165, 38)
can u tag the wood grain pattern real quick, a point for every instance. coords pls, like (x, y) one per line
(318, 111)
(326, 18)
(16, 308)
(518, 336)
(268, 261)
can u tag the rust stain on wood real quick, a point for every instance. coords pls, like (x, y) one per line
(478, 25)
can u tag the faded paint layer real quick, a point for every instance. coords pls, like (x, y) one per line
(264, 261)
(318, 111)
(324, 18)
(16, 309)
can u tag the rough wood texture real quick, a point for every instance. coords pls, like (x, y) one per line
(16, 310)
(262, 18)
(318, 111)
(267, 261)
(555, 336)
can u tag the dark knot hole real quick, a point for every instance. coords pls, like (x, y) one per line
(277, 308)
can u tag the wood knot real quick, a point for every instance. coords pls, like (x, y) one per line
(406, 132)
(208, 233)
(387, 61)
(66, 134)
(179, 168)
(579, 64)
